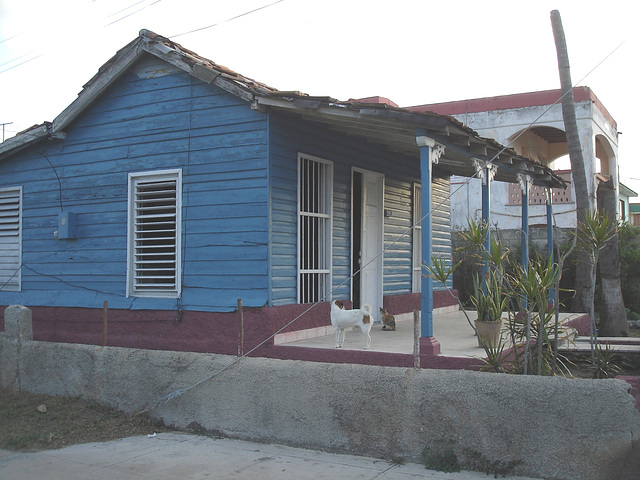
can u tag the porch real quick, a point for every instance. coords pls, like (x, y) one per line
(458, 343)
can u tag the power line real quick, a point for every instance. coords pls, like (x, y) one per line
(21, 63)
(132, 13)
(225, 21)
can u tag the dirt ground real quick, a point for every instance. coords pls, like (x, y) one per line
(32, 422)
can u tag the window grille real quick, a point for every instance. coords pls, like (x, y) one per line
(314, 229)
(154, 233)
(417, 238)
(10, 239)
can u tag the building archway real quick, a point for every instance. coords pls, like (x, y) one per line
(542, 143)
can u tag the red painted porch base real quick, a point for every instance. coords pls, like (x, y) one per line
(215, 332)
(429, 347)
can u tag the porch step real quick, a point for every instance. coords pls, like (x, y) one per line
(616, 344)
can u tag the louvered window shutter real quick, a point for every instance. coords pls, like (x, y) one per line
(155, 235)
(10, 239)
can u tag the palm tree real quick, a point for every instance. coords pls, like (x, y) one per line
(584, 204)
(613, 315)
(613, 320)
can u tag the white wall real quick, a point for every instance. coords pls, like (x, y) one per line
(505, 127)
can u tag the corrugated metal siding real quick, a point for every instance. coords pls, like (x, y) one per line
(398, 200)
(152, 118)
(288, 137)
(398, 237)
(441, 226)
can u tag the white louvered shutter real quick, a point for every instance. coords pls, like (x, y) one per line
(10, 238)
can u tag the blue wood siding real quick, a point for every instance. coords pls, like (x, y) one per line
(154, 117)
(290, 136)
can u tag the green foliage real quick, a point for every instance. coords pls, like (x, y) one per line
(439, 269)
(594, 231)
(629, 243)
(524, 294)
(604, 364)
(490, 300)
(496, 357)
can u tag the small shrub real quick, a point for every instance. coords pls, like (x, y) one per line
(604, 364)
(442, 460)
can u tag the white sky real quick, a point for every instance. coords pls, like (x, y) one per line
(411, 51)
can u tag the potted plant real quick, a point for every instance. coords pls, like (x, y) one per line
(490, 302)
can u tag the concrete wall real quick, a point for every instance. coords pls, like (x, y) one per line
(543, 427)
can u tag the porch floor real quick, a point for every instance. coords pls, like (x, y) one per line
(450, 329)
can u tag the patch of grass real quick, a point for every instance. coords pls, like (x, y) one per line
(441, 459)
(63, 422)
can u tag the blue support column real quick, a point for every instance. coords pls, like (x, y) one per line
(426, 302)
(524, 242)
(428, 344)
(552, 295)
(486, 217)
(524, 257)
(486, 205)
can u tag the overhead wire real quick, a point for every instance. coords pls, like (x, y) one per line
(225, 21)
(133, 13)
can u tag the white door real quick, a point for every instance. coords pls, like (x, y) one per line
(372, 236)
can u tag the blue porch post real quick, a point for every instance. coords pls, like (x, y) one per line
(428, 344)
(485, 173)
(552, 295)
(486, 206)
(524, 180)
(524, 186)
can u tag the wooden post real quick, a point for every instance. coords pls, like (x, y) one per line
(105, 307)
(240, 328)
(416, 339)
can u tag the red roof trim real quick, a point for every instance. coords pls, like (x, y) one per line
(505, 102)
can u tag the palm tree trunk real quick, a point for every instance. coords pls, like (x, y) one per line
(583, 283)
(613, 315)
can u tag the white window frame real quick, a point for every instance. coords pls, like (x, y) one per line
(416, 254)
(11, 239)
(135, 288)
(316, 217)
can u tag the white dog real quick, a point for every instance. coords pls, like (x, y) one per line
(342, 319)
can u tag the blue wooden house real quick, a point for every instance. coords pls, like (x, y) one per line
(173, 187)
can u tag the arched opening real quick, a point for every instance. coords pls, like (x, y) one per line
(561, 163)
(604, 153)
(543, 143)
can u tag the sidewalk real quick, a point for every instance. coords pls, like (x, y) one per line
(176, 456)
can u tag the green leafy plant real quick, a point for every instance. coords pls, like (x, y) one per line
(489, 298)
(604, 364)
